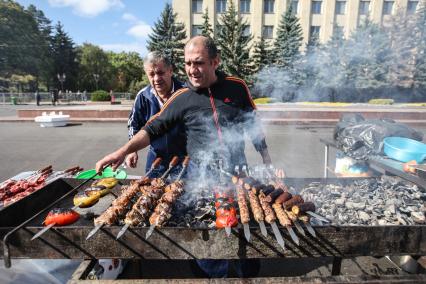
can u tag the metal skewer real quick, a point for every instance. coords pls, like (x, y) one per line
(299, 227)
(319, 217)
(228, 231)
(172, 164)
(263, 228)
(278, 235)
(310, 229)
(246, 231)
(99, 226)
(293, 235)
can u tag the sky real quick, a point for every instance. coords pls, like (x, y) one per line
(115, 25)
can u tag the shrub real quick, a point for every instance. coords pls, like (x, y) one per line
(264, 101)
(100, 96)
(381, 101)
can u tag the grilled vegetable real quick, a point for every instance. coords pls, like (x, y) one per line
(107, 182)
(225, 209)
(99, 189)
(226, 220)
(61, 217)
(82, 199)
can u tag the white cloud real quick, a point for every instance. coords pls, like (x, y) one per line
(140, 30)
(88, 8)
(130, 17)
(127, 47)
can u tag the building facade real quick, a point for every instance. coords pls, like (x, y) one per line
(319, 18)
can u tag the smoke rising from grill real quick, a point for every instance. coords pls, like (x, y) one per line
(373, 62)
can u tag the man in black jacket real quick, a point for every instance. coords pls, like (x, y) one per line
(215, 110)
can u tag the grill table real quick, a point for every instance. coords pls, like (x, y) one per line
(191, 243)
(389, 166)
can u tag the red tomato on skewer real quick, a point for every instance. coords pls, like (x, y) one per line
(61, 217)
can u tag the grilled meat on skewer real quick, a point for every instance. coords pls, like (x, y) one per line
(281, 214)
(295, 200)
(256, 208)
(300, 209)
(283, 197)
(267, 209)
(274, 195)
(242, 204)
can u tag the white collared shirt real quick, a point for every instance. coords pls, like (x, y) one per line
(160, 102)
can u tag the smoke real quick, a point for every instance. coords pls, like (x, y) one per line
(373, 62)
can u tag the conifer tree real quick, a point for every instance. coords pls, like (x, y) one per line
(419, 76)
(289, 39)
(64, 58)
(206, 29)
(368, 51)
(262, 54)
(234, 45)
(167, 36)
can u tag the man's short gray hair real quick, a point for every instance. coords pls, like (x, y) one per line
(155, 57)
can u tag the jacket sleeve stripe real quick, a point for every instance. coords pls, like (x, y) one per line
(235, 79)
(173, 97)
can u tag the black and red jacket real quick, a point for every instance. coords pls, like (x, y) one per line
(228, 100)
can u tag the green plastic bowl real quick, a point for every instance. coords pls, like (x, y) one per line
(108, 172)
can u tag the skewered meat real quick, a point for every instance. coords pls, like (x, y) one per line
(299, 209)
(274, 195)
(283, 197)
(281, 214)
(267, 209)
(256, 207)
(242, 204)
(162, 211)
(295, 200)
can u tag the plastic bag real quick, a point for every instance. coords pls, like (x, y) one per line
(359, 138)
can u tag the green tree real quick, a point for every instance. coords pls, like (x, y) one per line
(128, 67)
(368, 54)
(234, 45)
(206, 29)
(289, 39)
(19, 41)
(419, 76)
(45, 30)
(167, 36)
(93, 60)
(64, 58)
(262, 54)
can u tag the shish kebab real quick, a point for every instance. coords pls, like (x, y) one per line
(118, 205)
(162, 211)
(147, 200)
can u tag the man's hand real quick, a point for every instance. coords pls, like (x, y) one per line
(132, 160)
(114, 159)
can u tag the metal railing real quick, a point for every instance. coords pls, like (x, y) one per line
(24, 98)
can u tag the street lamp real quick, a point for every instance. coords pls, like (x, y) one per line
(61, 79)
(96, 77)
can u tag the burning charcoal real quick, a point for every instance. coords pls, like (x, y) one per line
(364, 216)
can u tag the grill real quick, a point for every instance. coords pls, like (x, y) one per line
(195, 242)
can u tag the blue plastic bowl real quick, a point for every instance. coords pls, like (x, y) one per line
(404, 149)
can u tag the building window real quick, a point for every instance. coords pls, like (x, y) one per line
(220, 6)
(412, 7)
(340, 7)
(197, 6)
(294, 6)
(244, 6)
(364, 7)
(315, 32)
(268, 6)
(196, 30)
(268, 31)
(387, 7)
(246, 30)
(316, 7)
